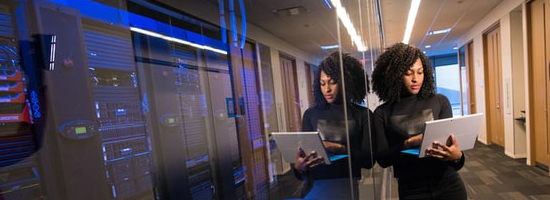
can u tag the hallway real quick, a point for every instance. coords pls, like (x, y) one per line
(489, 174)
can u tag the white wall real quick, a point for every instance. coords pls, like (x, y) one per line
(500, 15)
(518, 86)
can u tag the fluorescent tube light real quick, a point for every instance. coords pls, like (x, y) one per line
(428, 46)
(329, 47)
(410, 20)
(172, 39)
(344, 17)
(439, 31)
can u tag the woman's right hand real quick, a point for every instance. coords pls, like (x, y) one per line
(305, 162)
(413, 141)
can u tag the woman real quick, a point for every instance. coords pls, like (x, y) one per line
(327, 117)
(404, 80)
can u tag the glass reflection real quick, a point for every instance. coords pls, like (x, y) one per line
(345, 138)
(136, 99)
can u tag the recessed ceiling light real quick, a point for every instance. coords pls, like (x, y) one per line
(428, 46)
(439, 31)
(424, 52)
(455, 47)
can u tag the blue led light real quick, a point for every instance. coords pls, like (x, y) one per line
(120, 111)
(35, 106)
(145, 104)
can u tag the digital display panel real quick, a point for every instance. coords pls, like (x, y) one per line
(80, 130)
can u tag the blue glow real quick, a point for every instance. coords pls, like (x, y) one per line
(96, 11)
(233, 23)
(120, 111)
(222, 21)
(5, 72)
(328, 4)
(9, 97)
(14, 85)
(35, 105)
(126, 149)
(145, 104)
(243, 25)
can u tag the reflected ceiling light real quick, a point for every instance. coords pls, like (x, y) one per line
(172, 39)
(346, 21)
(328, 4)
(428, 46)
(455, 47)
(325, 47)
(410, 20)
(439, 31)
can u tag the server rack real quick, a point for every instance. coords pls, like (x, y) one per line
(19, 173)
(125, 143)
(178, 110)
(71, 154)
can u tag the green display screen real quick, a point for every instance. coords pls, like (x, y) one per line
(80, 130)
(171, 120)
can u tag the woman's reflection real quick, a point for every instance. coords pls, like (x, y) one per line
(327, 117)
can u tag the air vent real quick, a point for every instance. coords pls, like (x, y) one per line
(292, 11)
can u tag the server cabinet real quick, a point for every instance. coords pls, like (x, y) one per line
(164, 114)
(178, 112)
(71, 156)
(20, 102)
(116, 97)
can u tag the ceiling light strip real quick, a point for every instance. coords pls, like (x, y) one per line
(346, 21)
(415, 4)
(172, 39)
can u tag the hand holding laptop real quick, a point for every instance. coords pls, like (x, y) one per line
(304, 162)
(447, 152)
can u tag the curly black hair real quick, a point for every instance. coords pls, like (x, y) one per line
(391, 66)
(354, 77)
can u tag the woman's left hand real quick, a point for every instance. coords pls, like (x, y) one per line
(449, 152)
(334, 147)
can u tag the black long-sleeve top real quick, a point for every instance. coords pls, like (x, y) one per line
(329, 121)
(396, 122)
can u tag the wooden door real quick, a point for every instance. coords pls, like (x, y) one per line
(493, 80)
(538, 85)
(309, 83)
(290, 92)
(538, 27)
(466, 80)
(545, 149)
(471, 77)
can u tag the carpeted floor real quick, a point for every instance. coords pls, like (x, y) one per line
(489, 174)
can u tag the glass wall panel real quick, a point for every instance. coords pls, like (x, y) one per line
(227, 99)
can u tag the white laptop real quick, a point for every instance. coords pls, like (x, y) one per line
(288, 143)
(464, 128)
